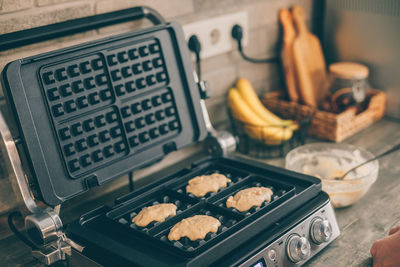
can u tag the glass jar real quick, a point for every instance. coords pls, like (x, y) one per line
(348, 85)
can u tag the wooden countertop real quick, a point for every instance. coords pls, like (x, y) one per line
(360, 224)
(377, 212)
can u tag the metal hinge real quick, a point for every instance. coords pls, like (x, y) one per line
(52, 253)
(56, 251)
(44, 225)
(218, 143)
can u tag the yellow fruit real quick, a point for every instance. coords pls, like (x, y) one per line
(255, 126)
(251, 98)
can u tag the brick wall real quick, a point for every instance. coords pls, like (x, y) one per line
(220, 71)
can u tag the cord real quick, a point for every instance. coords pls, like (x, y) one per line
(131, 184)
(17, 233)
(237, 34)
(195, 46)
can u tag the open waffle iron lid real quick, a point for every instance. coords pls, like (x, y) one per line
(89, 113)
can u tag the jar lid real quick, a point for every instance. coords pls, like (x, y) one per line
(349, 70)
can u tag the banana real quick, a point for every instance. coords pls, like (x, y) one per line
(256, 127)
(251, 98)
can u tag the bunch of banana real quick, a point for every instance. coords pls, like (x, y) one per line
(260, 123)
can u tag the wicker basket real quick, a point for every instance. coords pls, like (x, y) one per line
(331, 126)
(258, 147)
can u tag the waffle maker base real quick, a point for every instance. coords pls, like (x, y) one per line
(110, 239)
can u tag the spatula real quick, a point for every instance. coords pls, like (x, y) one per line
(387, 152)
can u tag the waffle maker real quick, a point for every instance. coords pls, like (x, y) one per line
(89, 113)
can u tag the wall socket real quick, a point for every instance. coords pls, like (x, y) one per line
(215, 33)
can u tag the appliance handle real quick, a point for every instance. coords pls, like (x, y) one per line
(52, 31)
(16, 166)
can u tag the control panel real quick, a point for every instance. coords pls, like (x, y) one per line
(300, 243)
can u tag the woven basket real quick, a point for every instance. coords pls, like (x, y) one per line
(258, 147)
(331, 126)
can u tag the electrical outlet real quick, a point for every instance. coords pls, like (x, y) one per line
(215, 33)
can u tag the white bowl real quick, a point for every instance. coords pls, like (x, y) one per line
(329, 160)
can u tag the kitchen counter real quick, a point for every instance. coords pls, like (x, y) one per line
(377, 212)
(361, 224)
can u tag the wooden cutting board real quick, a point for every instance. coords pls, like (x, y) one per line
(309, 62)
(289, 35)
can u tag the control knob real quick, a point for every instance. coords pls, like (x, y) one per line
(320, 231)
(298, 248)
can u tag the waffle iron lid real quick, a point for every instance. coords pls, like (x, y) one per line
(89, 113)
